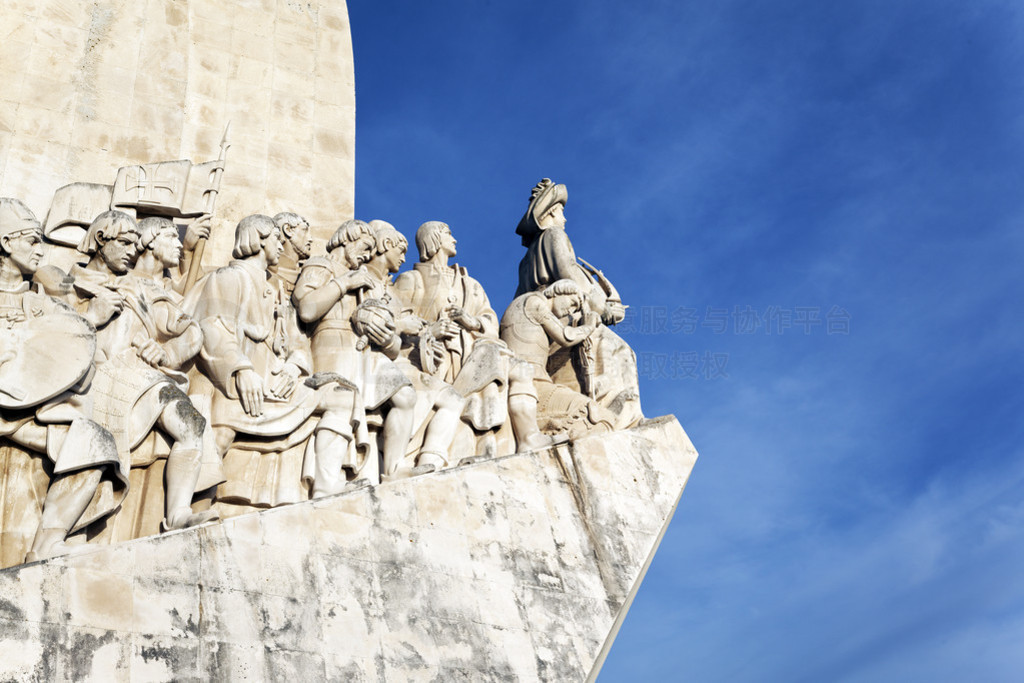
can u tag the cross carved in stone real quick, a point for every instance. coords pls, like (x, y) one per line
(146, 187)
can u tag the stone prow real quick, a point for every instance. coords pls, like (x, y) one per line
(516, 568)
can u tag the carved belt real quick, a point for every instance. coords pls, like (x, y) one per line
(333, 324)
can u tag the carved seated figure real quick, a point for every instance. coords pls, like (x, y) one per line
(460, 342)
(603, 367)
(143, 340)
(46, 357)
(264, 406)
(533, 323)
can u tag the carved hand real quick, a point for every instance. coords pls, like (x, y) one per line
(250, 391)
(151, 352)
(284, 382)
(443, 329)
(467, 321)
(199, 229)
(355, 279)
(614, 313)
(381, 334)
(105, 305)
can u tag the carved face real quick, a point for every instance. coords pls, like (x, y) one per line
(566, 305)
(447, 242)
(273, 246)
(360, 251)
(26, 250)
(301, 239)
(395, 256)
(554, 217)
(119, 253)
(166, 247)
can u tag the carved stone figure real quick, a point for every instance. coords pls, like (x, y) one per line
(460, 342)
(298, 244)
(439, 405)
(178, 189)
(354, 335)
(143, 340)
(162, 247)
(603, 367)
(280, 375)
(532, 323)
(46, 355)
(255, 370)
(161, 257)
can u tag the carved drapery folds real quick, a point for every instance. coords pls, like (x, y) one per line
(141, 391)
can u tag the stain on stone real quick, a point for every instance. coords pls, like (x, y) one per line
(379, 665)
(183, 407)
(79, 651)
(46, 669)
(408, 657)
(8, 610)
(190, 626)
(159, 653)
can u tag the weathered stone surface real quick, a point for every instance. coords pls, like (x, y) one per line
(91, 86)
(516, 568)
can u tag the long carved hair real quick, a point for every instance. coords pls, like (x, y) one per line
(107, 226)
(250, 233)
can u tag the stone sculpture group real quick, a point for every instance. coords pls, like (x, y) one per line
(137, 382)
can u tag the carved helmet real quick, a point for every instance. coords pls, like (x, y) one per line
(545, 194)
(16, 217)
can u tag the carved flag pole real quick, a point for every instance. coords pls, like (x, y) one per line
(211, 200)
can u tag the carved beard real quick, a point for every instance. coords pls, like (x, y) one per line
(300, 249)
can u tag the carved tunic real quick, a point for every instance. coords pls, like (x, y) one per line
(247, 324)
(126, 389)
(472, 360)
(430, 290)
(85, 445)
(551, 257)
(334, 342)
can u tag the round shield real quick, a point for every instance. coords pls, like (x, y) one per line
(42, 356)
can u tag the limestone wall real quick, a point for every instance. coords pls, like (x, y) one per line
(93, 85)
(518, 568)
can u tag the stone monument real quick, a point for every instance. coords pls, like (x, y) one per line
(270, 458)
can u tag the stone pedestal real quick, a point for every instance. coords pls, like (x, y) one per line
(517, 568)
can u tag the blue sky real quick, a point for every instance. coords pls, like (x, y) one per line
(854, 170)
